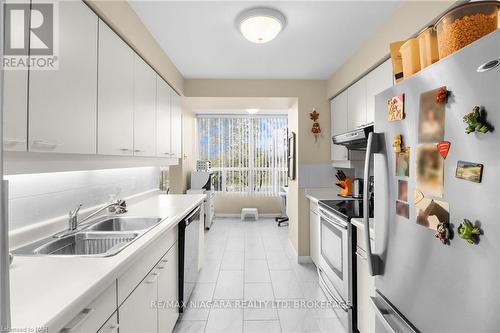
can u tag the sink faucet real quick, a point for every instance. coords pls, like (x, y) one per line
(117, 207)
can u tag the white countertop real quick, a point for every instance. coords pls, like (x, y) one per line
(327, 193)
(48, 291)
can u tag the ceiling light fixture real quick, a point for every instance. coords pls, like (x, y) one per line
(252, 111)
(260, 25)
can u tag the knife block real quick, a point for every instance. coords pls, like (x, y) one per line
(347, 190)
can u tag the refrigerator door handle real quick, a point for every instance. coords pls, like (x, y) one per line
(373, 147)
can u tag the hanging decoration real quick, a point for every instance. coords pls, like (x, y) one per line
(316, 129)
(476, 121)
(468, 232)
(444, 148)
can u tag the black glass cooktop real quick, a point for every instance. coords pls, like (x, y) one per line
(346, 208)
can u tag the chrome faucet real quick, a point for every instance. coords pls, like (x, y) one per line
(117, 207)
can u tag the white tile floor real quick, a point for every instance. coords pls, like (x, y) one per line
(253, 260)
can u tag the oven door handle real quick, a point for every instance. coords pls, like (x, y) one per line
(332, 222)
(330, 293)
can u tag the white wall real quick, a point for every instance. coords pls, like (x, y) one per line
(34, 198)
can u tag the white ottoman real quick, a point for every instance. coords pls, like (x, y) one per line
(248, 212)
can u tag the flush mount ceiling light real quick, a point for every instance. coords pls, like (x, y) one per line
(252, 111)
(260, 25)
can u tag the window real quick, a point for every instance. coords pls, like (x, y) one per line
(248, 153)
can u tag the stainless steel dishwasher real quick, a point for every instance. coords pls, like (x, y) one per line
(189, 238)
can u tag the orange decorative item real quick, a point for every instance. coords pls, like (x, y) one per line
(316, 129)
(442, 95)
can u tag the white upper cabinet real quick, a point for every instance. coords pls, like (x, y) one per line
(144, 109)
(356, 104)
(62, 102)
(15, 107)
(338, 110)
(176, 125)
(163, 115)
(377, 81)
(115, 130)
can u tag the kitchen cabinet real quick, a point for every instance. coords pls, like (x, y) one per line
(15, 108)
(356, 104)
(151, 306)
(314, 232)
(365, 286)
(144, 109)
(377, 81)
(63, 102)
(168, 290)
(176, 125)
(163, 118)
(338, 111)
(137, 313)
(115, 94)
(96, 314)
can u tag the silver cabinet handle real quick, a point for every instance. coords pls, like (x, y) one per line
(360, 255)
(162, 264)
(78, 320)
(152, 278)
(113, 327)
(125, 149)
(11, 142)
(138, 151)
(46, 144)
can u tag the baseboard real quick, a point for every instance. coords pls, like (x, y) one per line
(232, 215)
(304, 260)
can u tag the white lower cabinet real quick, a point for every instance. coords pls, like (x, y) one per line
(137, 313)
(365, 288)
(92, 317)
(314, 221)
(168, 290)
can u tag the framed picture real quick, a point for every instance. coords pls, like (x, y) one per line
(472, 172)
(291, 156)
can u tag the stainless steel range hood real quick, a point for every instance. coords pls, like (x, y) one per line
(355, 139)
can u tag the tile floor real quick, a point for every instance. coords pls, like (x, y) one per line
(254, 261)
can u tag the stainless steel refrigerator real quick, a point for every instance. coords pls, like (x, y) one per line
(421, 284)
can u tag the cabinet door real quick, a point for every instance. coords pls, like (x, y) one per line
(338, 111)
(144, 109)
(176, 125)
(137, 314)
(116, 94)
(356, 104)
(63, 102)
(314, 233)
(377, 81)
(168, 290)
(365, 288)
(15, 108)
(163, 129)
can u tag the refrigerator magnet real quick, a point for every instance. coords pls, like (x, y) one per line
(403, 209)
(397, 143)
(469, 232)
(431, 118)
(430, 213)
(395, 108)
(443, 232)
(472, 172)
(443, 147)
(403, 163)
(476, 121)
(442, 95)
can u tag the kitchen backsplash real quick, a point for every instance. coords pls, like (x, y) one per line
(34, 198)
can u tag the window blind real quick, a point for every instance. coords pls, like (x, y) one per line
(248, 153)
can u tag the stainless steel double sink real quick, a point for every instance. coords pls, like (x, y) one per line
(102, 237)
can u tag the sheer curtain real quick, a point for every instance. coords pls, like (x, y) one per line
(248, 153)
